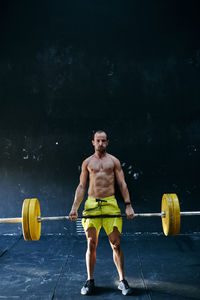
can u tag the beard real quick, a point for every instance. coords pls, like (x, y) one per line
(101, 149)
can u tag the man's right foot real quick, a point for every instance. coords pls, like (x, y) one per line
(88, 288)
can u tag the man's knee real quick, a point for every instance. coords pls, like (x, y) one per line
(92, 238)
(114, 239)
(115, 244)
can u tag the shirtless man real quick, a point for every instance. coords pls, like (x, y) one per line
(102, 169)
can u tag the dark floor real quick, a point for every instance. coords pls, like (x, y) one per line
(54, 267)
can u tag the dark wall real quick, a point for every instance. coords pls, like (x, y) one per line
(68, 68)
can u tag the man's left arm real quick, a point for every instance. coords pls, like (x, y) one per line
(124, 189)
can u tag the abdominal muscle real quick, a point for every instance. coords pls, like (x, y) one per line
(101, 184)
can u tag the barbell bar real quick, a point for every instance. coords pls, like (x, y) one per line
(31, 217)
(64, 218)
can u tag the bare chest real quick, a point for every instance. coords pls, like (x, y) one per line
(101, 165)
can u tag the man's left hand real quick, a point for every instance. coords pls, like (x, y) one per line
(129, 212)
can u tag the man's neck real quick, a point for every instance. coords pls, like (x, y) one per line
(98, 154)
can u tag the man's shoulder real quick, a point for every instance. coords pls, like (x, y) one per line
(88, 159)
(114, 158)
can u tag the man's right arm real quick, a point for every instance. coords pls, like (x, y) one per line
(80, 191)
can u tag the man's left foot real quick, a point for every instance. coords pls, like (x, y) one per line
(124, 287)
(88, 288)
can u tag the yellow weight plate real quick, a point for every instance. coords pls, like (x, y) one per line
(25, 220)
(34, 225)
(176, 214)
(167, 209)
(171, 221)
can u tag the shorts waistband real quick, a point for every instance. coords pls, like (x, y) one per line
(105, 199)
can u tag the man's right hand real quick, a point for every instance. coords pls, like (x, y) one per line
(73, 215)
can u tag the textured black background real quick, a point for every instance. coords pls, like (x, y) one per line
(68, 68)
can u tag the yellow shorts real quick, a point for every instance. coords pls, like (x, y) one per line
(103, 206)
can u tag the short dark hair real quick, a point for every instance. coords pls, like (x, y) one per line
(99, 131)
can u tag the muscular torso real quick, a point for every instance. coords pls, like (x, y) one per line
(101, 176)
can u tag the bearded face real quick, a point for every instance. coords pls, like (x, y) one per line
(100, 142)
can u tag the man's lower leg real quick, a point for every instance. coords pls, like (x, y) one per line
(118, 258)
(90, 260)
(88, 288)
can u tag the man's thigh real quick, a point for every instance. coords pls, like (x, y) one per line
(92, 223)
(109, 225)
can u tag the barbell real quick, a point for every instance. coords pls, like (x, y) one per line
(31, 217)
